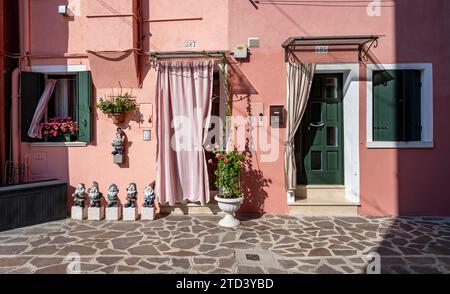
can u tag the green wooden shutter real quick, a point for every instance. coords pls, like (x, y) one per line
(32, 86)
(84, 115)
(388, 106)
(413, 113)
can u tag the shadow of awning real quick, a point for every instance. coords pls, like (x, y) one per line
(239, 83)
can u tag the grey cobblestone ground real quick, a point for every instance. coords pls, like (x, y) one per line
(195, 244)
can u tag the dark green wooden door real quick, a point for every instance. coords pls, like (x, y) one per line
(320, 139)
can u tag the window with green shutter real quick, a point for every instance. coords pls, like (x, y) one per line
(397, 105)
(72, 98)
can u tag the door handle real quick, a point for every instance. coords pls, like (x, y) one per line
(317, 125)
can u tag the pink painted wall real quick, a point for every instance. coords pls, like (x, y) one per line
(395, 181)
(392, 181)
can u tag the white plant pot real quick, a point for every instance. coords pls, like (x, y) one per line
(229, 206)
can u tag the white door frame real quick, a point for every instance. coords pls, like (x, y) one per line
(351, 124)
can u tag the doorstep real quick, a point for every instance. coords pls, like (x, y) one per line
(189, 208)
(322, 201)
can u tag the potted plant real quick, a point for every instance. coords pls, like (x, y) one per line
(117, 106)
(59, 129)
(228, 170)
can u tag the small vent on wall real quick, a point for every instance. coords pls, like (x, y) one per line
(253, 42)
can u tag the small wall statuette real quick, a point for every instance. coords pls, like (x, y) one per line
(149, 196)
(131, 196)
(113, 196)
(94, 195)
(118, 149)
(79, 195)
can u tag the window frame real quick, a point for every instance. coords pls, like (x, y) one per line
(59, 70)
(426, 70)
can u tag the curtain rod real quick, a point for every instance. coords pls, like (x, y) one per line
(188, 54)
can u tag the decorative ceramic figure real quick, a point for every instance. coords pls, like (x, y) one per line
(118, 148)
(94, 195)
(131, 196)
(79, 194)
(113, 196)
(149, 196)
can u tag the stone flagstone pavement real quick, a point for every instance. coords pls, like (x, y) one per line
(195, 244)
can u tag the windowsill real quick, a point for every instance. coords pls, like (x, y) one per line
(400, 145)
(59, 144)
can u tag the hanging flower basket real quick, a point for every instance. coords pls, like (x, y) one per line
(117, 106)
(118, 117)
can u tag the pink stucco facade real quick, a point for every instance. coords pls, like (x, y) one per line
(392, 181)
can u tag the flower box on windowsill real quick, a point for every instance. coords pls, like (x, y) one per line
(62, 138)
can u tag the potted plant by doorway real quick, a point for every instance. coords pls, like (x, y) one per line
(228, 170)
(117, 106)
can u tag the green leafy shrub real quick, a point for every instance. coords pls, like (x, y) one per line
(118, 104)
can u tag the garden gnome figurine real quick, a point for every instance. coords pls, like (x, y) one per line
(118, 146)
(94, 195)
(78, 196)
(131, 196)
(149, 196)
(113, 196)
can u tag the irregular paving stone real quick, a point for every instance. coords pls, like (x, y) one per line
(327, 270)
(238, 245)
(12, 249)
(132, 260)
(325, 225)
(181, 253)
(227, 262)
(62, 240)
(44, 250)
(426, 270)
(125, 243)
(82, 250)
(344, 252)
(54, 269)
(144, 250)
(108, 260)
(111, 252)
(220, 253)
(287, 264)
(202, 260)
(13, 261)
(180, 262)
(287, 240)
(146, 265)
(126, 269)
(186, 243)
(249, 270)
(319, 252)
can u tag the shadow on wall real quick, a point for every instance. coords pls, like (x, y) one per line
(253, 183)
(423, 173)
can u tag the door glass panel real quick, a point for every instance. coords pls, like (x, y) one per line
(316, 112)
(316, 160)
(332, 136)
(316, 88)
(331, 88)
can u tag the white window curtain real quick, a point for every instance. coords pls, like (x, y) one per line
(62, 99)
(300, 77)
(183, 106)
(34, 131)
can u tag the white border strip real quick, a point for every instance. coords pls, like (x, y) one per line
(58, 68)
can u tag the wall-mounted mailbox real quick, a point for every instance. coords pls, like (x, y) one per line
(276, 115)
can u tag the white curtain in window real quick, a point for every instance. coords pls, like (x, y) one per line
(34, 131)
(62, 99)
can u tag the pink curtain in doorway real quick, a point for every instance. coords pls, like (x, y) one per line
(34, 131)
(183, 106)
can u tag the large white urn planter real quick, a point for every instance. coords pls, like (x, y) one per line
(229, 206)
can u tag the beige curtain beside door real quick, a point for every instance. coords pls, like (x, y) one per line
(300, 77)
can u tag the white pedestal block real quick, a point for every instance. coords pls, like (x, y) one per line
(79, 213)
(113, 213)
(147, 213)
(96, 213)
(130, 214)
